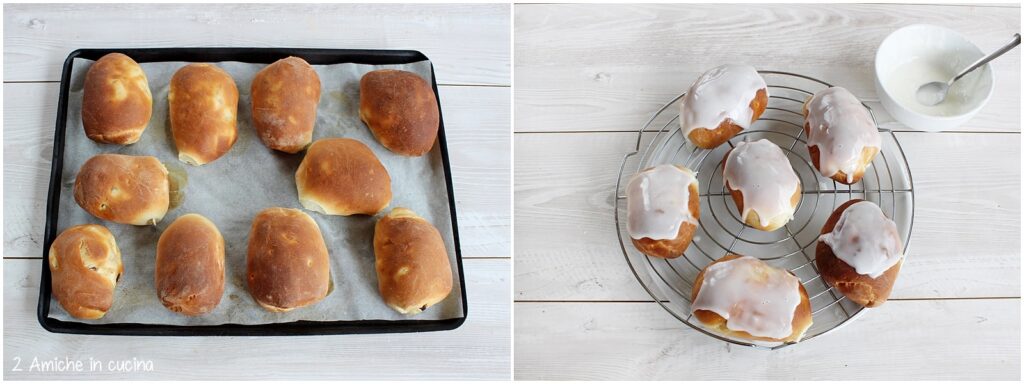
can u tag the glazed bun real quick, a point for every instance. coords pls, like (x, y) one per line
(285, 95)
(721, 103)
(287, 263)
(761, 302)
(116, 102)
(859, 234)
(85, 264)
(203, 102)
(342, 177)
(190, 266)
(401, 110)
(663, 210)
(842, 137)
(762, 184)
(123, 189)
(413, 271)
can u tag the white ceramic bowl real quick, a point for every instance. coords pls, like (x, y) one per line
(909, 55)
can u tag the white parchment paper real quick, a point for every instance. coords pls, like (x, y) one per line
(251, 177)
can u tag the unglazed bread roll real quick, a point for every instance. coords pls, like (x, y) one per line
(123, 189)
(842, 138)
(663, 209)
(285, 95)
(287, 263)
(860, 253)
(85, 264)
(762, 183)
(342, 177)
(401, 110)
(204, 108)
(116, 102)
(722, 102)
(744, 297)
(190, 266)
(413, 271)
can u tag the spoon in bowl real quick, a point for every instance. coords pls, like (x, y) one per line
(935, 92)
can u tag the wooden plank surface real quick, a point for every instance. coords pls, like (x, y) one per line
(480, 349)
(468, 44)
(582, 67)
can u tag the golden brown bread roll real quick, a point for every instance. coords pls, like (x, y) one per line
(413, 271)
(663, 210)
(758, 298)
(342, 177)
(285, 95)
(116, 102)
(190, 265)
(722, 102)
(123, 189)
(287, 263)
(759, 178)
(873, 234)
(203, 103)
(85, 264)
(842, 137)
(401, 110)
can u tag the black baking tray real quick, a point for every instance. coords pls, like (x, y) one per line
(248, 55)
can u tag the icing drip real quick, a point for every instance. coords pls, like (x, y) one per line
(841, 128)
(657, 201)
(724, 92)
(762, 172)
(751, 295)
(865, 239)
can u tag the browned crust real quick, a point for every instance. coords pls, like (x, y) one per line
(858, 288)
(203, 103)
(123, 189)
(673, 248)
(85, 264)
(866, 156)
(287, 262)
(116, 101)
(801, 315)
(711, 138)
(190, 266)
(401, 110)
(754, 219)
(342, 177)
(285, 96)
(413, 271)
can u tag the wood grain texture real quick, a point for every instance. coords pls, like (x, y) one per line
(965, 241)
(468, 44)
(480, 349)
(902, 340)
(476, 122)
(586, 67)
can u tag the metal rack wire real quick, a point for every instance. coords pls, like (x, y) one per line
(887, 182)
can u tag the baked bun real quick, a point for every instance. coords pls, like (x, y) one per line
(401, 110)
(722, 102)
(287, 263)
(123, 189)
(85, 264)
(860, 253)
(116, 102)
(762, 183)
(204, 112)
(285, 95)
(762, 302)
(342, 177)
(190, 266)
(842, 138)
(413, 271)
(663, 210)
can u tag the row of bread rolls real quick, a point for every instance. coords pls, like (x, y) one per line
(399, 107)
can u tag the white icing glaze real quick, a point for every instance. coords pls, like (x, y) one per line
(657, 201)
(724, 92)
(841, 128)
(865, 239)
(751, 295)
(762, 172)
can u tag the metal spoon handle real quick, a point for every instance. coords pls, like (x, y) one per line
(982, 61)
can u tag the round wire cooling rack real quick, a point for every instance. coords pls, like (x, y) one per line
(887, 182)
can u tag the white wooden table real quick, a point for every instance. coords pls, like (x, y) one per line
(470, 48)
(588, 76)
